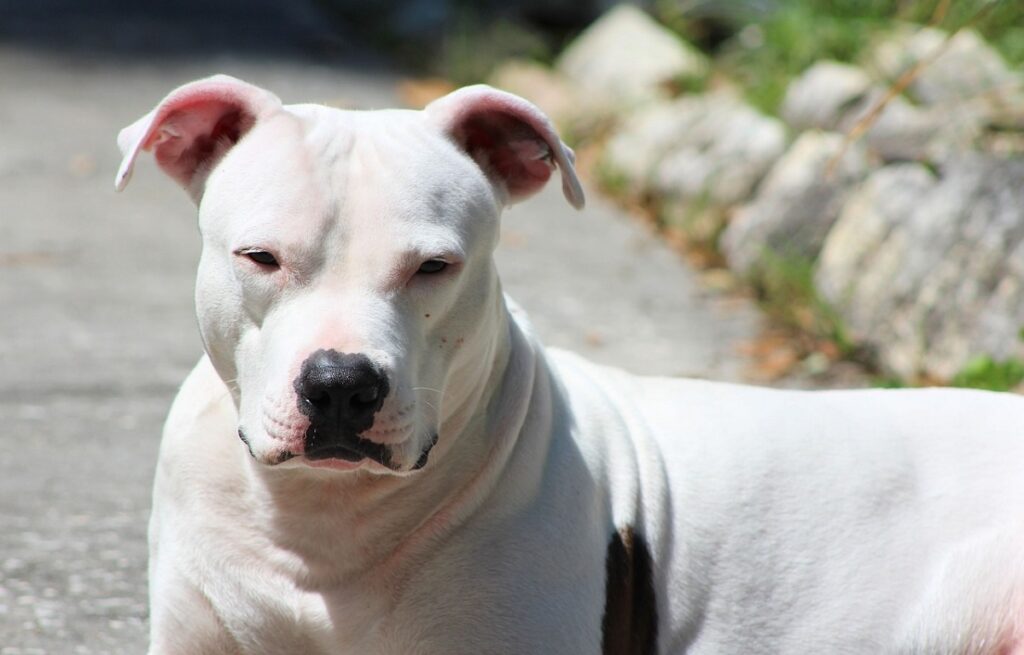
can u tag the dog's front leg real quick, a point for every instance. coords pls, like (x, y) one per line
(183, 622)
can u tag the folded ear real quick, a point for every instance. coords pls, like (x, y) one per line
(193, 127)
(509, 138)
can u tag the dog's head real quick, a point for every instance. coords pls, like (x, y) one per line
(346, 292)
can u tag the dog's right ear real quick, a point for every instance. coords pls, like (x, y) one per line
(193, 127)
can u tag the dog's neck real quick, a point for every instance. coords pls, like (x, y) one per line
(373, 526)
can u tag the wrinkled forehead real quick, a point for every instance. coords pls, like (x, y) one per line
(384, 172)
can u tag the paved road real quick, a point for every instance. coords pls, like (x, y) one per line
(97, 330)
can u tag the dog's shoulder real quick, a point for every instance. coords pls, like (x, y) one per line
(199, 444)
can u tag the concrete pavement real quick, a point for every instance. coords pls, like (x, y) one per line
(97, 329)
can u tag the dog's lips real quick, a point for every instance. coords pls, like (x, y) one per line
(348, 449)
(336, 452)
(343, 458)
(337, 464)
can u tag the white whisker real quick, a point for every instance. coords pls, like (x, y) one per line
(437, 391)
(428, 403)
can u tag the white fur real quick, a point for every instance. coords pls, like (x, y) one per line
(778, 521)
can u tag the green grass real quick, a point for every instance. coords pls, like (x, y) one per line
(772, 52)
(786, 291)
(770, 43)
(474, 47)
(1001, 22)
(612, 181)
(888, 382)
(698, 219)
(983, 372)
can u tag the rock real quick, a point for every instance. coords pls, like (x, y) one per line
(712, 148)
(625, 60)
(964, 68)
(639, 144)
(725, 150)
(840, 97)
(797, 202)
(544, 87)
(928, 271)
(823, 95)
(902, 131)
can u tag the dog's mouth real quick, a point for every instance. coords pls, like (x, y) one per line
(354, 450)
(328, 442)
(359, 449)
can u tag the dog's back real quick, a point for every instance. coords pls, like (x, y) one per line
(853, 521)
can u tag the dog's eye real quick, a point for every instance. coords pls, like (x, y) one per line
(432, 266)
(261, 257)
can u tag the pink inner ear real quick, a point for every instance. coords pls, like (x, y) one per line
(194, 138)
(508, 149)
(193, 127)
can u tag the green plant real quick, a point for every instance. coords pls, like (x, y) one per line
(888, 382)
(767, 44)
(697, 218)
(612, 181)
(786, 291)
(766, 55)
(983, 372)
(689, 84)
(1001, 22)
(474, 47)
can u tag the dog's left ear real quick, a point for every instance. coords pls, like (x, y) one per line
(509, 138)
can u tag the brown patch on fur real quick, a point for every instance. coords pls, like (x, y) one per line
(630, 624)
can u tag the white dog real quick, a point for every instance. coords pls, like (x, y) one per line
(377, 457)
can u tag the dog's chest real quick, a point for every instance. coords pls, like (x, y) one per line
(448, 610)
(278, 615)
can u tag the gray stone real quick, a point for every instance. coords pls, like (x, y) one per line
(709, 148)
(823, 94)
(625, 60)
(638, 145)
(929, 271)
(797, 202)
(725, 151)
(958, 68)
(843, 98)
(901, 131)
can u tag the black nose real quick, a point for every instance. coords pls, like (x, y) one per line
(340, 393)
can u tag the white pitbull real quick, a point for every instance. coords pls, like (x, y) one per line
(376, 456)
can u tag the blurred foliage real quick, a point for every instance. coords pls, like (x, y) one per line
(786, 291)
(473, 47)
(612, 181)
(888, 382)
(994, 375)
(984, 372)
(763, 44)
